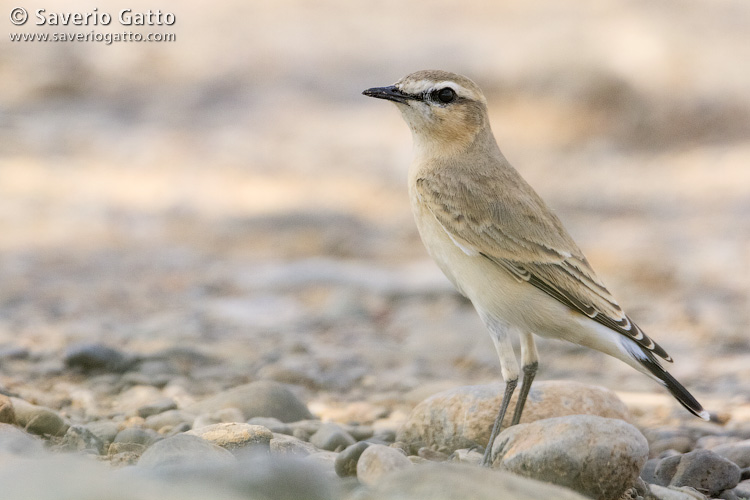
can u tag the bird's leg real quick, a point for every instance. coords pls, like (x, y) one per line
(529, 372)
(509, 366)
(530, 359)
(510, 386)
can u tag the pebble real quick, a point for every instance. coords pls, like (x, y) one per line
(285, 445)
(234, 436)
(462, 417)
(184, 450)
(447, 481)
(263, 398)
(7, 413)
(703, 470)
(738, 452)
(157, 407)
(346, 461)
(598, 457)
(273, 424)
(331, 437)
(377, 460)
(80, 438)
(105, 430)
(38, 419)
(169, 418)
(97, 357)
(133, 440)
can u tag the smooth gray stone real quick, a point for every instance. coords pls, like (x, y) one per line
(331, 437)
(184, 450)
(157, 407)
(346, 461)
(707, 472)
(263, 398)
(38, 419)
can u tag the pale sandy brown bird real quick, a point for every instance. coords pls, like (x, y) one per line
(501, 246)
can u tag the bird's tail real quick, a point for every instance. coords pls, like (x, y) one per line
(649, 361)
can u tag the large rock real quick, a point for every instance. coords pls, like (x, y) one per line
(451, 481)
(463, 417)
(263, 398)
(598, 457)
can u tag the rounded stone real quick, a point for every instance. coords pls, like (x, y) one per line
(377, 460)
(91, 356)
(7, 413)
(38, 419)
(346, 461)
(234, 436)
(705, 471)
(598, 457)
(184, 450)
(331, 437)
(263, 398)
(463, 417)
(285, 445)
(738, 452)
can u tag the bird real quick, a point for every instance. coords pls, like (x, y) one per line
(502, 247)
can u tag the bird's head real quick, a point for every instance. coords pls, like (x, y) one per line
(444, 111)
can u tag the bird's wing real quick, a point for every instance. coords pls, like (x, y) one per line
(521, 235)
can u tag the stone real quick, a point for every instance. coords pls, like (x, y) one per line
(38, 419)
(706, 471)
(263, 398)
(377, 460)
(290, 446)
(648, 472)
(738, 452)
(331, 437)
(169, 418)
(598, 457)
(97, 357)
(7, 413)
(145, 437)
(346, 461)
(184, 450)
(234, 436)
(79, 438)
(447, 481)
(105, 430)
(272, 424)
(665, 469)
(742, 490)
(157, 407)
(675, 493)
(463, 417)
(14, 441)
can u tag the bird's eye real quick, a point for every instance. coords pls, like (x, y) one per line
(444, 95)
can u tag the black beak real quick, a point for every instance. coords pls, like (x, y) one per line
(390, 93)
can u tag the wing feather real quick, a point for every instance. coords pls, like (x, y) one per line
(524, 237)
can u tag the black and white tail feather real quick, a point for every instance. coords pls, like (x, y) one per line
(649, 361)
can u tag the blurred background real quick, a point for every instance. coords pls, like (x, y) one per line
(233, 195)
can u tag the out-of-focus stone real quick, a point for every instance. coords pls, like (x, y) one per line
(377, 460)
(235, 436)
